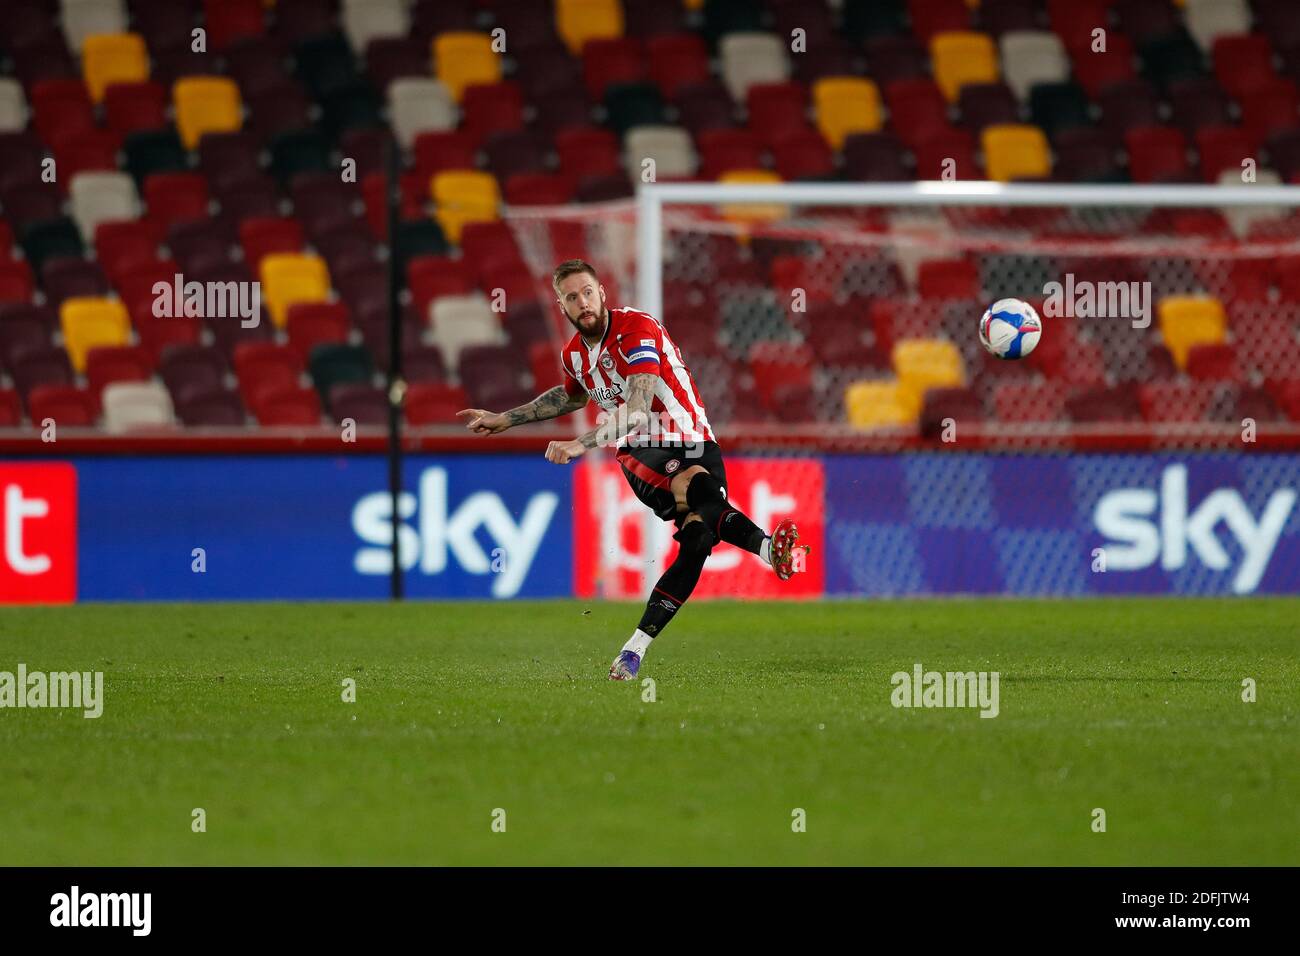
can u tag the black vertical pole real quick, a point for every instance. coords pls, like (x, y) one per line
(396, 387)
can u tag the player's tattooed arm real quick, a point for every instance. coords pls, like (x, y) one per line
(633, 415)
(552, 403)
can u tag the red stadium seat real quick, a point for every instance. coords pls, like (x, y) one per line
(491, 108)
(176, 197)
(67, 405)
(433, 403)
(126, 363)
(1223, 148)
(61, 110)
(722, 150)
(917, 109)
(437, 150)
(677, 60)
(292, 405)
(606, 62)
(123, 245)
(937, 16)
(539, 189)
(948, 279)
(16, 283)
(229, 20)
(1216, 363)
(129, 107)
(803, 155)
(265, 365)
(311, 324)
(11, 409)
(1243, 63)
(1157, 154)
(587, 151)
(776, 110)
(262, 236)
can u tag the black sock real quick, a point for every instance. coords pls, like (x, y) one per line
(680, 579)
(707, 498)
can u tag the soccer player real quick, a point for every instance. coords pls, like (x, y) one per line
(625, 362)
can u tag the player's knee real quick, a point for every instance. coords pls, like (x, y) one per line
(704, 489)
(695, 540)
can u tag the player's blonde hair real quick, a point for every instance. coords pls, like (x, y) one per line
(571, 267)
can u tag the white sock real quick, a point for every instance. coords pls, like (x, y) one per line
(638, 643)
(765, 550)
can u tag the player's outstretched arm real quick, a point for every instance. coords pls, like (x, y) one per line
(634, 414)
(552, 403)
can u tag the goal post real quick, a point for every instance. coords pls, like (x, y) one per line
(652, 198)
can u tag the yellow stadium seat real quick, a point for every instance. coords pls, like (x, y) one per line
(844, 105)
(928, 363)
(882, 404)
(113, 58)
(289, 278)
(1015, 151)
(748, 212)
(1186, 321)
(577, 21)
(206, 104)
(461, 196)
(962, 57)
(89, 322)
(462, 59)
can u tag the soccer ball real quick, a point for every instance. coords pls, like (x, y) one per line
(1010, 328)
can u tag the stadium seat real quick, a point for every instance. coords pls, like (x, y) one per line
(1207, 20)
(173, 198)
(1243, 63)
(310, 324)
(365, 21)
(291, 405)
(211, 409)
(465, 58)
(607, 62)
(961, 58)
(16, 282)
(676, 61)
(100, 197)
(137, 405)
(668, 148)
(130, 107)
(417, 105)
(433, 403)
(751, 212)
(190, 371)
(206, 104)
(154, 151)
(65, 405)
(750, 58)
(463, 196)
(875, 157)
(1016, 152)
(460, 322)
(492, 108)
(1197, 102)
(1223, 149)
(579, 21)
(90, 322)
(288, 278)
(83, 19)
(332, 364)
(11, 408)
(1188, 321)
(1032, 57)
(359, 404)
(13, 106)
(927, 363)
(65, 279)
(587, 151)
(845, 105)
(1156, 154)
(122, 363)
(1054, 107)
(260, 237)
(881, 404)
(894, 58)
(987, 104)
(1098, 71)
(113, 58)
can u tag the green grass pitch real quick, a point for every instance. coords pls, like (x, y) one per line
(1131, 706)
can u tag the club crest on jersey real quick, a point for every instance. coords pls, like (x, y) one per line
(607, 361)
(672, 466)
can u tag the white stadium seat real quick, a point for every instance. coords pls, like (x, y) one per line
(129, 405)
(416, 105)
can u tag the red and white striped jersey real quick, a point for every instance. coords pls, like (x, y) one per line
(634, 343)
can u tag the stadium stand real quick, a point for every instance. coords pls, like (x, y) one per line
(223, 164)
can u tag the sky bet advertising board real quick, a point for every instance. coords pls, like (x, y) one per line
(514, 526)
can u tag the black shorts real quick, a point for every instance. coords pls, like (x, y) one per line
(650, 471)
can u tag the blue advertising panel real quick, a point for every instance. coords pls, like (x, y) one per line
(317, 527)
(1063, 524)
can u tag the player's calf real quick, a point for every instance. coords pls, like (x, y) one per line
(670, 593)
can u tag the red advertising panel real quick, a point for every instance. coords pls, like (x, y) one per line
(38, 534)
(621, 548)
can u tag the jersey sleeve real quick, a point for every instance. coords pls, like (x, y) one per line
(572, 387)
(641, 348)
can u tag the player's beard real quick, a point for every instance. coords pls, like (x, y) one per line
(589, 324)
